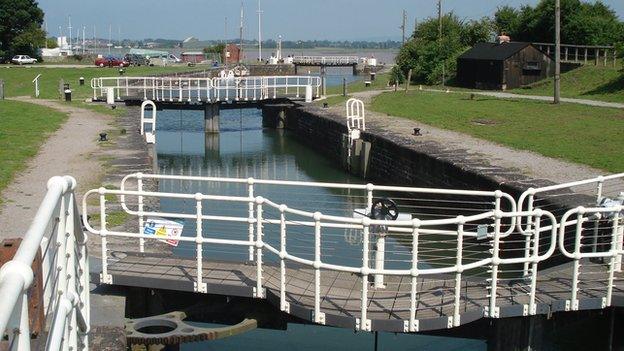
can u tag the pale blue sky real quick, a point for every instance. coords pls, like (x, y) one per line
(293, 19)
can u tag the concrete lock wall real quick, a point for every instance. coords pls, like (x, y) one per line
(384, 157)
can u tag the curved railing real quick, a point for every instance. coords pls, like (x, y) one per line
(55, 236)
(326, 60)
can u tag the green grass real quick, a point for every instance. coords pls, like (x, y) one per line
(18, 80)
(381, 82)
(582, 134)
(113, 218)
(587, 82)
(23, 129)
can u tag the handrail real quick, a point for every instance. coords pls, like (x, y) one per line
(56, 221)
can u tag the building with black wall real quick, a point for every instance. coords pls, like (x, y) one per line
(503, 66)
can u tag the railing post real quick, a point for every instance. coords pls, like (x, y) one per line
(577, 259)
(141, 217)
(259, 290)
(250, 191)
(615, 253)
(19, 336)
(284, 306)
(364, 323)
(200, 286)
(493, 311)
(105, 278)
(527, 237)
(70, 250)
(319, 317)
(456, 320)
(144, 89)
(179, 89)
(413, 323)
(536, 238)
(596, 223)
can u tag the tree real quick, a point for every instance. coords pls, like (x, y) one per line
(582, 23)
(20, 28)
(428, 56)
(51, 43)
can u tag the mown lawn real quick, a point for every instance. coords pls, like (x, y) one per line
(18, 80)
(587, 82)
(23, 129)
(582, 134)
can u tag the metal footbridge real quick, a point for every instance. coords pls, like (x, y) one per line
(376, 258)
(206, 90)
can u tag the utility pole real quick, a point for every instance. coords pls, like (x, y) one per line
(440, 40)
(403, 25)
(94, 41)
(240, 53)
(557, 96)
(259, 32)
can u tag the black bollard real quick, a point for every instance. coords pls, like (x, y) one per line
(68, 94)
(81, 80)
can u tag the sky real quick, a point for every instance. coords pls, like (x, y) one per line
(293, 19)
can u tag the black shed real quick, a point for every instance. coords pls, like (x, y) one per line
(502, 66)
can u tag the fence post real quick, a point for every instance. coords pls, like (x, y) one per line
(61, 89)
(409, 79)
(1, 89)
(259, 293)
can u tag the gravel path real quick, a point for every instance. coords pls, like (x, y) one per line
(68, 151)
(523, 162)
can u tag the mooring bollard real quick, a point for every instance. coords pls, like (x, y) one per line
(68, 94)
(81, 80)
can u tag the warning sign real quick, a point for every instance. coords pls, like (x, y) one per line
(167, 231)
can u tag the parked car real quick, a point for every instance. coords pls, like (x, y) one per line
(23, 60)
(137, 60)
(111, 61)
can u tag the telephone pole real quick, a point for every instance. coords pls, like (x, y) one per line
(557, 96)
(440, 40)
(259, 32)
(403, 25)
(240, 54)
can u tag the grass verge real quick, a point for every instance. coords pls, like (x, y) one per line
(581, 134)
(23, 129)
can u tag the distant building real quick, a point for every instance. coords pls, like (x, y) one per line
(193, 57)
(231, 54)
(503, 66)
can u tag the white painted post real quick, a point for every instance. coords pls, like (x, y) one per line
(200, 286)
(110, 96)
(413, 323)
(536, 237)
(36, 81)
(284, 306)
(527, 237)
(458, 274)
(308, 93)
(105, 278)
(380, 257)
(250, 190)
(615, 249)
(577, 261)
(259, 293)
(365, 323)
(493, 311)
(141, 217)
(319, 317)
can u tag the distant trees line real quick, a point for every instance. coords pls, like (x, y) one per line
(431, 56)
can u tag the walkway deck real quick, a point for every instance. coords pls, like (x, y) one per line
(388, 308)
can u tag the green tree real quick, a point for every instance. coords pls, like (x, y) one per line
(51, 43)
(20, 28)
(428, 55)
(582, 23)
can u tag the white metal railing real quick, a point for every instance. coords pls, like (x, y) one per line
(597, 188)
(326, 60)
(264, 215)
(186, 89)
(56, 232)
(612, 246)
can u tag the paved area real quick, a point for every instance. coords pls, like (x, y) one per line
(69, 151)
(502, 95)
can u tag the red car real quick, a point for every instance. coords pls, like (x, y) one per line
(111, 61)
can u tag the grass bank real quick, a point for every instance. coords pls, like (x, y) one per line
(587, 82)
(23, 129)
(582, 134)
